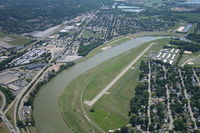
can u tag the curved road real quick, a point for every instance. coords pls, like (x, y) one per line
(4, 100)
(3, 117)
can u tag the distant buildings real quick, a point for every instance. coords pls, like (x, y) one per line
(168, 55)
(68, 29)
(6, 46)
(28, 57)
(184, 29)
(8, 78)
(35, 66)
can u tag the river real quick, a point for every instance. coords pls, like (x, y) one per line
(192, 2)
(46, 109)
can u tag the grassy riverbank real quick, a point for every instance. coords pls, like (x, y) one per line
(111, 111)
(122, 39)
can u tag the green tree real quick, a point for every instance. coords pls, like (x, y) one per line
(133, 120)
(179, 125)
(124, 129)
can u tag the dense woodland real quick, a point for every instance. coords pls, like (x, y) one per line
(189, 46)
(8, 95)
(20, 16)
(195, 36)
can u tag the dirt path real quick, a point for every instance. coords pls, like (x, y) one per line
(95, 99)
(188, 60)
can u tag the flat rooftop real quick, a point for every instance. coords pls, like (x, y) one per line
(8, 77)
(69, 58)
(13, 87)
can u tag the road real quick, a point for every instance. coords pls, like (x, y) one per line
(171, 120)
(95, 99)
(3, 117)
(197, 78)
(188, 99)
(149, 100)
(6, 121)
(23, 99)
(20, 95)
(20, 99)
(3, 100)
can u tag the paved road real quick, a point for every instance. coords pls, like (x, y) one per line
(3, 117)
(197, 78)
(3, 100)
(6, 121)
(171, 120)
(94, 100)
(149, 100)
(20, 95)
(188, 99)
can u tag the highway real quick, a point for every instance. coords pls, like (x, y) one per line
(3, 100)
(6, 121)
(21, 97)
(22, 93)
(3, 117)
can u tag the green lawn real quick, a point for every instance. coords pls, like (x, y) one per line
(88, 34)
(16, 39)
(185, 57)
(111, 111)
(190, 17)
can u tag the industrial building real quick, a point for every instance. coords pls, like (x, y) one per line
(168, 55)
(6, 46)
(184, 29)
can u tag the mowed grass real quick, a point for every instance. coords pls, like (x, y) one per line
(190, 17)
(3, 127)
(111, 111)
(71, 101)
(88, 34)
(16, 39)
(186, 57)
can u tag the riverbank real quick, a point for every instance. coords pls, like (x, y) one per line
(111, 111)
(48, 75)
(122, 39)
(51, 91)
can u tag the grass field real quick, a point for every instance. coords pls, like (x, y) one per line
(10, 115)
(185, 57)
(190, 17)
(3, 128)
(88, 34)
(111, 111)
(16, 40)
